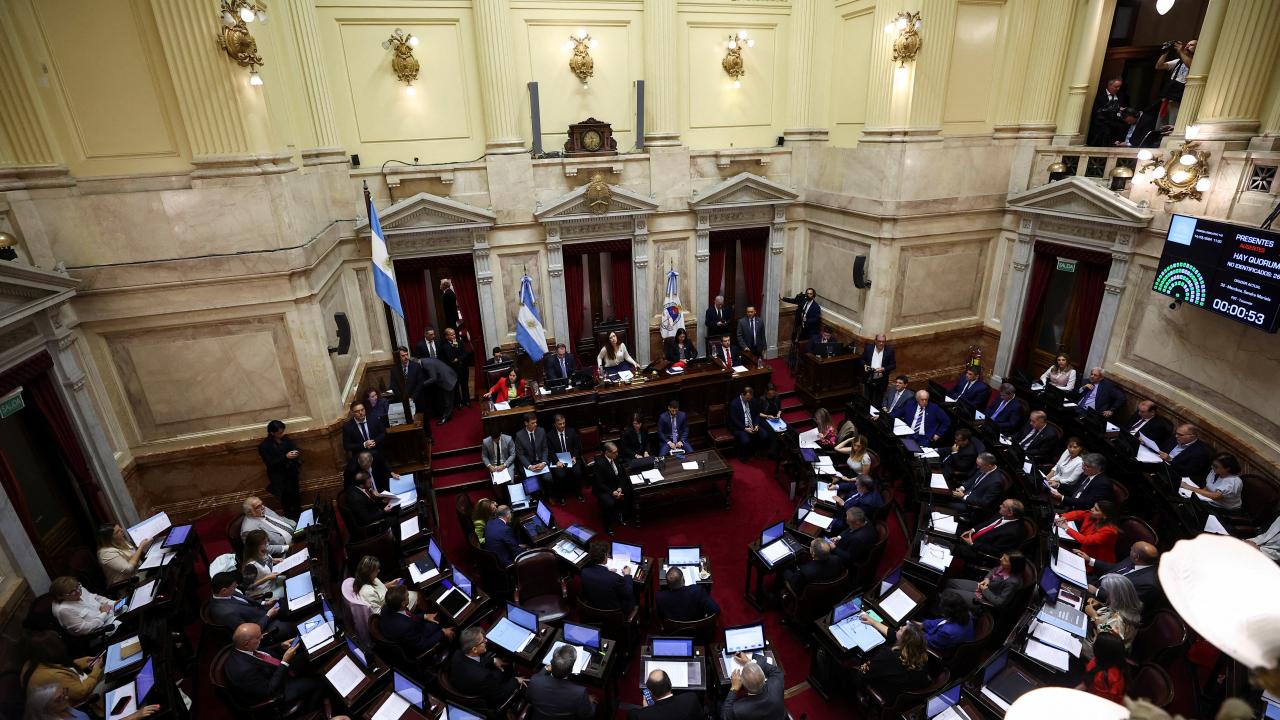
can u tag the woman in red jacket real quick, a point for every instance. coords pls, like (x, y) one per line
(507, 388)
(1098, 532)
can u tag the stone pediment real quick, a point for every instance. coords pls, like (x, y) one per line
(576, 206)
(425, 212)
(1080, 199)
(27, 290)
(743, 189)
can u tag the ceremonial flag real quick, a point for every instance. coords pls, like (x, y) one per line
(529, 330)
(672, 314)
(384, 272)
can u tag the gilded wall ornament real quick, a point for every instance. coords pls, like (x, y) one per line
(598, 195)
(580, 63)
(907, 44)
(403, 63)
(234, 36)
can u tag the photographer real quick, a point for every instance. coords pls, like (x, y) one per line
(1177, 82)
(283, 459)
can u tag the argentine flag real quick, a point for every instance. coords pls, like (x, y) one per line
(530, 333)
(384, 272)
(672, 314)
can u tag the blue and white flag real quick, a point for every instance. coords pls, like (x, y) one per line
(384, 272)
(530, 333)
(672, 313)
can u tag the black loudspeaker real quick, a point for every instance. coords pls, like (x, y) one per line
(344, 334)
(860, 279)
(355, 160)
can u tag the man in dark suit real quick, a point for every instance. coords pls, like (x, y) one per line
(725, 354)
(978, 495)
(531, 445)
(1189, 456)
(565, 477)
(673, 430)
(561, 365)
(229, 608)
(963, 457)
(744, 422)
(458, 358)
(439, 386)
(367, 462)
(603, 588)
(751, 337)
(474, 671)
(406, 380)
(416, 633)
(823, 566)
(765, 686)
(360, 434)
(684, 602)
(1100, 394)
(363, 501)
(552, 696)
(609, 485)
(808, 314)
(428, 346)
(257, 676)
(861, 492)
(1146, 420)
(928, 422)
(719, 321)
(1141, 567)
(1039, 440)
(448, 303)
(1105, 117)
(970, 390)
(1005, 411)
(665, 704)
(1094, 486)
(855, 543)
(996, 536)
(500, 539)
(878, 362)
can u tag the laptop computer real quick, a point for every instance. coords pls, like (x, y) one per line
(357, 653)
(453, 712)
(409, 690)
(584, 635)
(555, 384)
(625, 555)
(939, 703)
(458, 596)
(520, 499)
(774, 545)
(541, 523)
(1003, 683)
(177, 536)
(579, 533)
(128, 698)
(514, 630)
(674, 655)
(684, 555)
(741, 638)
(672, 647)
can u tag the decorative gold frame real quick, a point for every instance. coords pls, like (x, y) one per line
(908, 43)
(403, 62)
(235, 38)
(580, 63)
(1187, 186)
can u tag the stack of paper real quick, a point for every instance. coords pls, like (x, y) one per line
(775, 551)
(928, 453)
(935, 556)
(344, 676)
(292, 561)
(579, 662)
(852, 632)
(418, 576)
(1065, 617)
(826, 492)
(1062, 532)
(149, 528)
(689, 465)
(1056, 636)
(156, 556)
(820, 520)
(317, 636)
(653, 475)
(739, 369)
(938, 481)
(502, 477)
(900, 428)
(392, 709)
(637, 479)
(898, 605)
(1051, 656)
(1070, 567)
(809, 439)
(569, 551)
(502, 406)
(944, 523)
(619, 564)
(409, 528)
(509, 635)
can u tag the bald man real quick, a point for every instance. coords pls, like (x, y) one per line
(928, 422)
(1146, 420)
(257, 676)
(666, 705)
(764, 684)
(1141, 567)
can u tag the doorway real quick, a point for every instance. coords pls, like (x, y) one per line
(1063, 299)
(424, 304)
(597, 285)
(736, 268)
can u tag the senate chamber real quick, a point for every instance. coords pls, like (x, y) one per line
(643, 359)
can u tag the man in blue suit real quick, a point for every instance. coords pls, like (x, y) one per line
(673, 430)
(980, 493)
(744, 422)
(415, 633)
(928, 422)
(1100, 394)
(561, 365)
(684, 603)
(1005, 411)
(500, 539)
(970, 389)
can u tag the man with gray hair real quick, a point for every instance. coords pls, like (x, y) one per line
(1100, 394)
(855, 543)
(279, 529)
(1005, 411)
(1039, 440)
(1188, 456)
(500, 539)
(1093, 487)
(765, 686)
(473, 670)
(610, 486)
(719, 321)
(823, 566)
(552, 696)
(980, 493)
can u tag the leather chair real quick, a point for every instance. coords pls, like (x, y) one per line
(233, 534)
(1119, 493)
(1161, 639)
(892, 707)
(613, 624)
(540, 588)
(358, 610)
(274, 709)
(219, 635)
(1152, 683)
(462, 506)
(589, 436)
(383, 546)
(494, 578)
(717, 432)
(1259, 497)
(815, 600)
(1133, 530)
(420, 667)
(702, 630)
(354, 530)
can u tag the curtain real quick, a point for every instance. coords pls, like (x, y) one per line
(464, 286)
(1089, 283)
(753, 255)
(55, 416)
(573, 289)
(623, 301)
(1096, 257)
(411, 280)
(1041, 271)
(21, 374)
(715, 268)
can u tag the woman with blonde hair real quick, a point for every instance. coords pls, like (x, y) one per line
(856, 448)
(1060, 374)
(898, 668)
(371, 589)
(481, 514)
(117, 554)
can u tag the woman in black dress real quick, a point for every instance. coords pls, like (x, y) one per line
(898, 668)
(283, 459)
(636, 442)
(680, 348)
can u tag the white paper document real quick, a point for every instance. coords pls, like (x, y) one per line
(502, 477)
(823, 461)
(1147, 442)
(1051, 656)
(691, 574)
(156, 556)
(418, 577)
(502, 406)
(653, 475)
(1062, 532)
(852, 633)
(689, 465)
(619, 564)
(898, 605)
(1214, 525)
(579, 662)
(979, 415)
(775, 551)
(826, 492)
(1186, 492)
(928, 453)
(1145, 455)
(1070, 567)
(948, 399)
(569, 551)
(409, 527)
(900, 428)
(828, 470)
(317, 637)
(509, 635)
(143, 595)
(938, 481)
(1068, 404)
(739, 369)
(344, 676)
(935, 556)
(944, 523)
(1112, 428)
(951, 713)
(392, 709)
(1056, 636)
(822, 521)
(1037, 386)
(1027, 467)
(292, 561)
(637, 479)
(676, 670)
(809, 439)
(149, 528)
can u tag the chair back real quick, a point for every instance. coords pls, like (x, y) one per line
(1119, 493)
(1030, 536)
(818, 598)
(382, 546)
(1259, 497)
(715, 415)
(1152, 683)
(589, 436)
(895, 707)
(233, 534)
(390, 650)
(966, 655)
(702, 630)
(493, 576)
(359, 609)
(220, 634)
(865, 573)
(537, 573)
(612, 623)
(1161, 638)
(463, 507)
(1133, 530)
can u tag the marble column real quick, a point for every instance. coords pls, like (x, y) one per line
(905, 101)
(803, 123)
(773, 266)
(661, 84)
(1045, 67)
(1271, 117)
(1231, 108)
(1112, 288)
(1011, 68)
(1201, 66)
(325, 146)
(31, 160)
(501, 108)
(1015, 297)
(702, 269)
(484, 289)
(555, 272)
(1090, 40)
(640, 300)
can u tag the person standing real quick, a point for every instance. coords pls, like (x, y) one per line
(283, 460)
(751, 337)
(449, 303)
(719, 322)
(1178, 68)
(457, 357)
(878, 361)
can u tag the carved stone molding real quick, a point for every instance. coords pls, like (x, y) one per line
(1113, 288)
(1020, 266)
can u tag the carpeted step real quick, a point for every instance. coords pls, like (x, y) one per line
(441, 463)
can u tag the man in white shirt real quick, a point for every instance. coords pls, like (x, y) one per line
(1269, 541)
(1178, 68)
(257, 516)
(79, 611)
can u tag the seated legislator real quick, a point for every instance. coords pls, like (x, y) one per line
(77, 610)
(1104, 674)
(484, 511)
(823, 337)
(371, 589)
(995, 536)
(826, 428)
(765, 685)
(559, 366)
(680, 348)
(117, 555)
(725, 354)
(611, 487)
(1094, 486)
(257, 568)
(684, 603)
(566, 478)
(751, 337)
(898, 396)
(415, 632)
(500, 539)
(256, 676)
(1070, 466)
(1223, 486)
(770, 404)
(859, 460)
(1189, 457)
(364, 503)
(1100, 394)
(1268, 541)
(965, 449)
(636, 442)
(864, 495)
(475, 671)
(898, 667)
(603, 588)
(953, 627)
(1060, 374)
(1146, 420)
(229, 608)
(1120, 614)
(358, 433)
(508, 388)
(613, 357)
(666, 705)
(996, 589)
(970, 389)
(928, 423)
(553, 696)
(48, 662)
(498, 451)
(1005, 411)
(878, 363)
(1141, 567)
(979, 494)
(365, 461)
(855, 543)
(744, 423)
(1039, 439)
(673, 430)
(1098, 531)
(823, 566)
(531, 446)
(718, 321)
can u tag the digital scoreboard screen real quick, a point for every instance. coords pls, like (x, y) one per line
(1232, 270)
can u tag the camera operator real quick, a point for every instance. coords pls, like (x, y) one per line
(1178, 67)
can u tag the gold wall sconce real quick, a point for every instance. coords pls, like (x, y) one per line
(580, 62)
(733, 63)
(235, 38)
(907, 44)
(1184, 175)
(403, 63)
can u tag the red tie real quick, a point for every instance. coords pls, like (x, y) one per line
(268, 659)
(986, 530)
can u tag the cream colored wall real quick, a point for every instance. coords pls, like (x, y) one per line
(855, 23)
(970, 88)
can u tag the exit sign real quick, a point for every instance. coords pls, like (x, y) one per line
(11, 403)
(1066, 265)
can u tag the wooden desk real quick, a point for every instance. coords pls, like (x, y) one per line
(406, 446)
(758, 568)
(827, 381)
(678, 485)
(435, 707)
(699, 659)
(602, 671)
(428, 584)
(374, 674)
